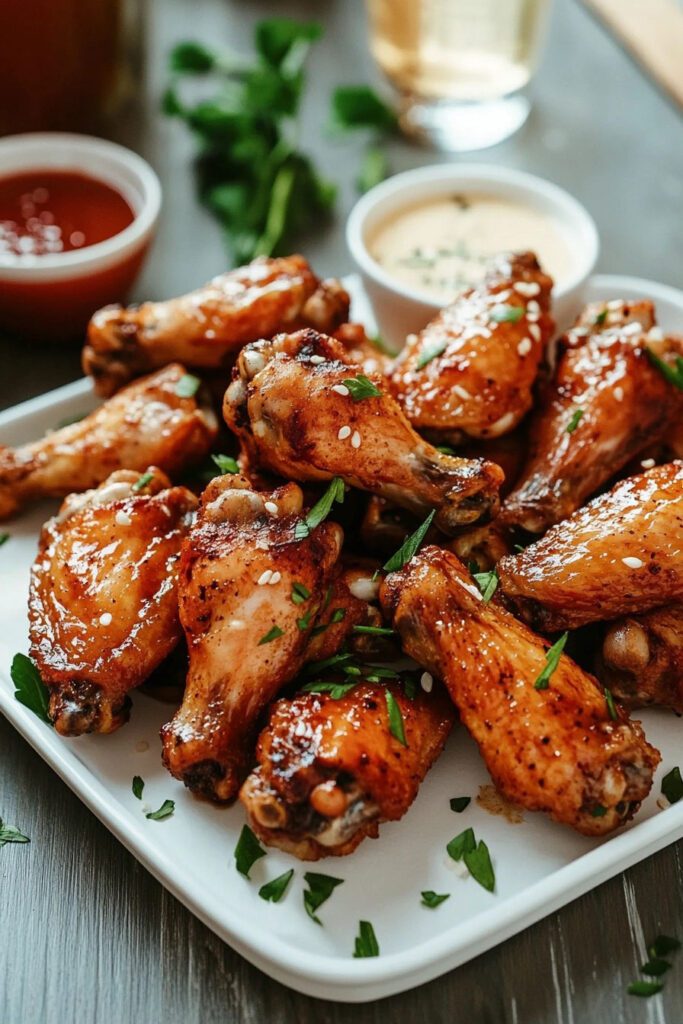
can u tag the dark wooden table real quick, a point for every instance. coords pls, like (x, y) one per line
(87, 934)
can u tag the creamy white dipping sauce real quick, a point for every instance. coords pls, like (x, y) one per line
(441, 246)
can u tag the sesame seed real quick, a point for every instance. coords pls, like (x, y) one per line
(619, 393)
(271, 507)
(317, 360)
(527, 288)
(535, 332)
(344, 432)
(524, 346)
(341, 389)
(426, 682)
(647, 463)
(633, 563)
(275, 578)
(355, 440)
(461, 392)
(655, 334)
(105, 619)
(663, 803)
(533, 307)
(264, 578)
(122, 518)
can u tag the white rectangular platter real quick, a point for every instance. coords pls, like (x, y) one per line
(540, 866)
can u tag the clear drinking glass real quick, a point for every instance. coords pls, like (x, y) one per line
(459, 65)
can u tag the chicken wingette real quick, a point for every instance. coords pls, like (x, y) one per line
(642, 659)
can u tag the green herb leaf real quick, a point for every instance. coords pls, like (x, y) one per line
(645, 988)
(10, 834)
(247, 851)
(674, 375)
(462, 844)
(137, 786)
(275, 889)
(272, 634)
(460, 803)
(361, 387)
(275, 37)
(479, 864)
(359, 106)
(366, 943)
(577, 416)
(374, 168)
(335, 660)
(4, 537)
(656, 967)
(304, 622)
(445, 449)
(165, 811)
(611, 706)
(320, 888)
(395, 718)
(504, 314)
(598, 811)
(300, 593)
(600, 318)
(672, 785)
(226, 463)
(335, 690)
(430, 351)
(191, 59)
(663, 946)
(375, 630)
(321, 509)
(142, 482)
(29, 688)
(337, 615)
(187, 386)
(410, 546)
(487, 583)
(552, 659)
(433, 899)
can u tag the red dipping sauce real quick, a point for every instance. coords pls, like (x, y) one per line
(46, 212)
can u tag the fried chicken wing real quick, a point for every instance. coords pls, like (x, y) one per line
(204, 328)
(471, 370)
(642, 659)
(620, 554)
(330, 770)
(294, 414)
(246, 633)
(148, 423)
(604, 405)
(555, 749)
(103, 604)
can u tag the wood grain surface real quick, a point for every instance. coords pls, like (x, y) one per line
(87, 935)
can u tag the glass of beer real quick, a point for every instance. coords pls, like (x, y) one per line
(459, 65)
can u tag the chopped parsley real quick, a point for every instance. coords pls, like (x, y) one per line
(645, 988)
(663, 946)
(577, 416)
(656, 967)
(445, 449)
(142, 482)
(460, 844)
(29, 688)
(4, 537)
(247, 851)
(274, 890)
(314, 667)
(433, 899)
(672, 785)
(320, 888)
(460, 803)
(187, 386)
(431, 351)
(395, 718)
(598, 811)
(10, 834)
(165, 811)
(366, 943)
(226, 463)
(361, 387)
(600, 318)
(476, 857)
(137, 786)
(272, 634)
(505, 314)
(674, 375)
(552, 660)
(487, 583)
(410, 546)
(375, 630)
(305, 621)
(611, 706)
(321, 509)
(300, 593)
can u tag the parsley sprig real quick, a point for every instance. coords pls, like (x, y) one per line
(10, 834)
(320, 888)
(361, 387)
(29, 688)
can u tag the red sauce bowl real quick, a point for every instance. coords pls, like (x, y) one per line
(108, 205)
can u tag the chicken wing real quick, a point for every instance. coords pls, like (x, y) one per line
(330, 770)
(206, 327)
(151, 422)
(295, 415)
(604, 405)
(620, 554)
(642, 659)
(243, 571)
(557, 749)
(103, 604)
(471, 370)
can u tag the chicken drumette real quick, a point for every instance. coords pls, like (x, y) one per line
(303, 411)
(544, 728)
(151, 422)
(103, 604)
(642, 659)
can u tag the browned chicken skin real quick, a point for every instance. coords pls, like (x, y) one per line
(604, 405)
(555, 749)
(642, 659)
(103, 603)
(329, 771)
(148, 423)
(206, 327)
(290, 407)
(488, 344)
(622, 553)
(246, 636)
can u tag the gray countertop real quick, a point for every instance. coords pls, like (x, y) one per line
(88, 935)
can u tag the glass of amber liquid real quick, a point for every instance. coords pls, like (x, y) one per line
(459, 65)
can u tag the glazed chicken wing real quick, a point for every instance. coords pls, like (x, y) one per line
(554, 749)
(103, 605)
(620, 554)
(148, 423)
(206, 327)
(289, 405)
(244, 566)
(330, 770)
(604, 405)
(642, 659)
(471, 370)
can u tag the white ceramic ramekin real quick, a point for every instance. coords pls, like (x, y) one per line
(401, 310)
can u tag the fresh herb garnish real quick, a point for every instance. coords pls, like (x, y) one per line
(300, 593)
(142, 482)
(552, 659)
(674, 375)
(373, 169)
(10, 834)
(359, 106)
(433, 899)
(321, 509)
(459, 803)
(315, 667)
(672, 785)
(320, 888)
(272, 634)
(487, 583)
(375, 630)
(410, 546)
(445, 449)
(275, 889)
(577, 416)
(165, 811)
(335, 690)
(655, 968)
(226, 463)
(247, 851)
(663, 946)
(600, 318)
(461, 844)
(4, 537)
(645, 988)
(338, 615)
(29, 688)
(431, 351)
(395, 718)
(305, 621)
(137, 786)
(504, 314)
(366, 943)
(611, 706)
(598, 811)
(187, 386)
(361, 387)
(479, 865)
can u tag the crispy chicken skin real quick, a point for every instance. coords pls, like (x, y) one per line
(480, 381)
(147, 423)
(642, 659)
(620, 554)
(603, 374)
(103, 604)
(554, 749)
(204, 328)
(293, 413)
(329, 771)
(237, 571)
